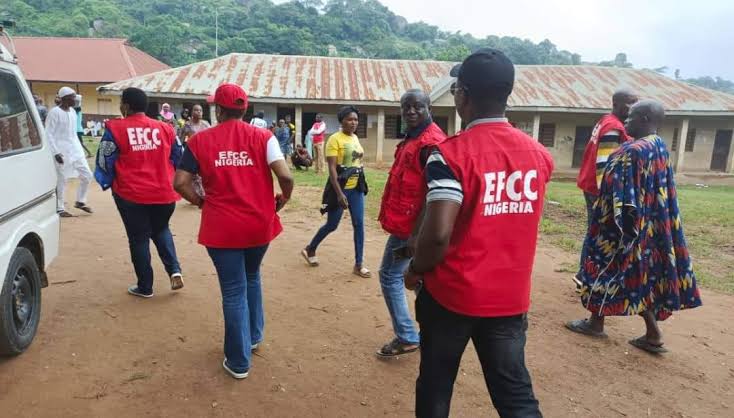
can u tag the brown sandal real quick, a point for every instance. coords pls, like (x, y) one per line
(362, 272)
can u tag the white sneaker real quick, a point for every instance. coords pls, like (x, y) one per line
(233, 373)
(177, 281)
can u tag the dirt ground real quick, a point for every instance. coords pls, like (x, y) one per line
(102, 353)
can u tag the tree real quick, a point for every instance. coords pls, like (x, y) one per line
(316, 4)
(712, 83)
(178, 33)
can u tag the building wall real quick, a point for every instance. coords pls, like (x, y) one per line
(369, 142)
(94, 105)
(565, 132)
(698, 160)
(270, 110)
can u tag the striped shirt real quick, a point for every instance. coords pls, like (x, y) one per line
(441, 180)
(607, 145)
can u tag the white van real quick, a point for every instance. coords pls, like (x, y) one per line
(29, 225)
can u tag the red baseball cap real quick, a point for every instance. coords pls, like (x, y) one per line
(230, 96)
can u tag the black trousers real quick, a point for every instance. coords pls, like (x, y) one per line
(145, 223)
(500, 345)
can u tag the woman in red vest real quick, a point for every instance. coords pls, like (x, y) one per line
(137, 158)
(318, 130)
(238, 219)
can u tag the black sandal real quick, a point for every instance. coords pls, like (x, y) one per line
(396, 348)
(582, 326)
(643, 344)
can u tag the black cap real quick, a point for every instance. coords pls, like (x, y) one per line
(487, 72)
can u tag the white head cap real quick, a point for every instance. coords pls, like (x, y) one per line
(66, 91)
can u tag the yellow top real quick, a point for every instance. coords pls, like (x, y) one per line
(348, 152)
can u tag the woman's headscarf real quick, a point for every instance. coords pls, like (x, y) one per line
(167, 114)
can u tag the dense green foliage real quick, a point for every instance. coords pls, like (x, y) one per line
(712, 83)
(179, 32)
(182, 32)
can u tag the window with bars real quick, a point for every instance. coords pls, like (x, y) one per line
(393, 127)
(690, 140)
(547, 135)
(362, 127)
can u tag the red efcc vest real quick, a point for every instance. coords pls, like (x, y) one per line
(405, 192)
(503, 174)
(318, 139)
(239, 208)
(587, 173)
(143, 171)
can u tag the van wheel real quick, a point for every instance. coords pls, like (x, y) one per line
(20, 303)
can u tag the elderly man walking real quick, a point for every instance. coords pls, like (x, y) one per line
(68, 152)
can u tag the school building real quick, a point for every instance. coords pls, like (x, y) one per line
(558, 105)
(83, 64)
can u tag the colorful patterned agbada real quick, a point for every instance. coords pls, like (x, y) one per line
(637, 254)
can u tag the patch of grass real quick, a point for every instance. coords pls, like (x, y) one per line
(92, 144)
(568, 244)
(548, 227)
(708, 219)
(376, 180)
(567, 268)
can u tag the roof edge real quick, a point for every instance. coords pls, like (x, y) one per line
(532, 109)
(71, 37)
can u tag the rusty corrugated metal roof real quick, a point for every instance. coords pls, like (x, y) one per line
(295, 78)
(591, 87)
(298, 78)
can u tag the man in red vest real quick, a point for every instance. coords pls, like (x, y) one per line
(476, 245)
(137, 158)
(607, 136)
(239, 217)
(402, 203)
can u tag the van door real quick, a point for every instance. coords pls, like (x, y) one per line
(27, 169)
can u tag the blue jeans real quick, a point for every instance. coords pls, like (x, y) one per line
(144, 223)
(393, 289)
(500, 346)
(356, 211)
(242, 302)
(590, 199)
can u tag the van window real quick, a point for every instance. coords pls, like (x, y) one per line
(18, 131)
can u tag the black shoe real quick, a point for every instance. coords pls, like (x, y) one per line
(64, 214)
(396, 348)
(83, 206)
(135, 291)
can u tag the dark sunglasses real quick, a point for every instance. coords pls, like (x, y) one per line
(454, 88)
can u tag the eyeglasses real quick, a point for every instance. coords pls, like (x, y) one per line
(454, 88)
